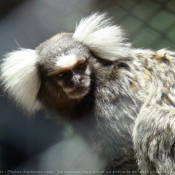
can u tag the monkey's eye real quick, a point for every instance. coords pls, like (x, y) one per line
(82, 65)
(60, 75)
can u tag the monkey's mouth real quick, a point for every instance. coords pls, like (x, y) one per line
(78, 92)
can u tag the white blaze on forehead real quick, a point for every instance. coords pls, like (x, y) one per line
(66, 61)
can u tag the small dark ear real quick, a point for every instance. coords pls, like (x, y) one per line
(19, 76)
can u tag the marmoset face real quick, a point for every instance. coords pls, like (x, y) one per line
(65, 66)
(64, 71)
(72, 75)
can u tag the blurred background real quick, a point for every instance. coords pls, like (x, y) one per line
(36, 143)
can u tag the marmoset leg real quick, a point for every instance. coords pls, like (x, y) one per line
(154, 140)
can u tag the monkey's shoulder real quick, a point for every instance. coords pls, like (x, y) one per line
(160, 58)
(158, 74)
(159, 65)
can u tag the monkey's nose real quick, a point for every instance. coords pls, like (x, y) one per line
(77, 79)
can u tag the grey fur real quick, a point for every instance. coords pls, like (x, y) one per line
(127, 114)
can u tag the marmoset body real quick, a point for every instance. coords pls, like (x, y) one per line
(119, 99)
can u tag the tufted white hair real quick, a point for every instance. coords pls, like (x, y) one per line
(103, 38)
(20, 78)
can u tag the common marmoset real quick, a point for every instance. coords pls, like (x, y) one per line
(119, 99)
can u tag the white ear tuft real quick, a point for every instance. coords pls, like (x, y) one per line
(20, 77)
(103, 38)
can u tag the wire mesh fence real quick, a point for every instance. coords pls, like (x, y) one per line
(147, 24)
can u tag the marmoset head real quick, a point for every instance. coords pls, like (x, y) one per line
(64, 65)
(60, 69)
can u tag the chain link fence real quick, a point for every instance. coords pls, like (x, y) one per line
(23, 141)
